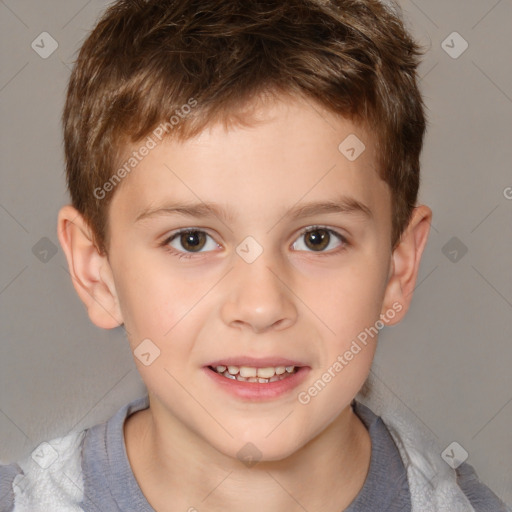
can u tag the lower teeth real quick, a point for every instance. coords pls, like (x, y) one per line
(256, 379)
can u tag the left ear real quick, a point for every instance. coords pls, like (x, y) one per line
(405, 263)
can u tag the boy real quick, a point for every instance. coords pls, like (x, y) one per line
(244, 178)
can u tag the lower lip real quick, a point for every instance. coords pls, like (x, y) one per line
(258, 390)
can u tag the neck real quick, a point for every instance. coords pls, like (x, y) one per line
(177, 470)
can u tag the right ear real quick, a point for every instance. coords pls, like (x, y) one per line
(90, 271)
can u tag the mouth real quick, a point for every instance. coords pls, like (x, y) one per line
(256, 380)
(262, 375)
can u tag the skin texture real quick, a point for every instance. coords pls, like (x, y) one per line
(295, 301)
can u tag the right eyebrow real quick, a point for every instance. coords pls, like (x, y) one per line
(199, 210)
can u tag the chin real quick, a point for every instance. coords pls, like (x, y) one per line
(259, 448)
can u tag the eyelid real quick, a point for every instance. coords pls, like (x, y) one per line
(169, 238)
(177, 232)
(312, 227)
(342, 238)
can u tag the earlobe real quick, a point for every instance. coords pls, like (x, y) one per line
(405, 263)
(90, 271)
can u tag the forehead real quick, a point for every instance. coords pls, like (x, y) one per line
(292, 152)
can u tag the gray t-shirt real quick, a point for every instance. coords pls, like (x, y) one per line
(110, 486)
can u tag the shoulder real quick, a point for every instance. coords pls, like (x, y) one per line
(435, 486)
(65, 473)
(432, 480)
(480, 496)
(7, 475)
(49, 478)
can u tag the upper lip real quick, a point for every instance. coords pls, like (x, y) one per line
(254, 362)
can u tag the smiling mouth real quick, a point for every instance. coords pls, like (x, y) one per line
(251, 374)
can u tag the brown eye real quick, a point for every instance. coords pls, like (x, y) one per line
(190, 243)
(186, 242)
(318, 239)
(192, 240)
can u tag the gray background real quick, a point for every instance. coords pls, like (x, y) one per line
(449, 360)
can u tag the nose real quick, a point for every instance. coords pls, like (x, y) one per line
(258, 297)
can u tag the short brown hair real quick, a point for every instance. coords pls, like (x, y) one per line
(146, 59)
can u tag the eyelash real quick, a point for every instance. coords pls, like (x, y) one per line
(187, 255)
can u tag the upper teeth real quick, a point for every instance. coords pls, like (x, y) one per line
(249, 371)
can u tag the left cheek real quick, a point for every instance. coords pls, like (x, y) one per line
(348, 303)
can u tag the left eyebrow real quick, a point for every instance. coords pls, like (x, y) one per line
(343, 205)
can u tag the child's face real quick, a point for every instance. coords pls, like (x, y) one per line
(303, 298)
